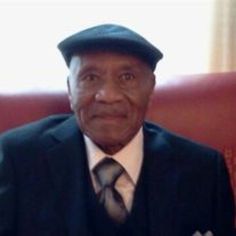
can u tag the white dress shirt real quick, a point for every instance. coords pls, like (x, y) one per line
(130, 157)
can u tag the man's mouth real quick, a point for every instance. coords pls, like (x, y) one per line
(112, 117)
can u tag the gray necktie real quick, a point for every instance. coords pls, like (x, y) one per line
(107, 172)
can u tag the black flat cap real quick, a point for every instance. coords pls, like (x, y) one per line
(110, 37)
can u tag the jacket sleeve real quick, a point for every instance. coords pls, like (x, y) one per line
(7, 194)
(224, 205)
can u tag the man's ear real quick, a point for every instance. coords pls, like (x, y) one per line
(68, 85)
(150, 103)
(154, 81)
(69, 91)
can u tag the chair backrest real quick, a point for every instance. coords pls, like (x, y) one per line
(203, 108)
(21, 108)
(200, 107)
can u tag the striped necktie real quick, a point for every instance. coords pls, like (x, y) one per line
(107, 173)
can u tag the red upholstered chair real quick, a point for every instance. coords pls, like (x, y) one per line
(21, 108)
(203, 108)
(200, 107)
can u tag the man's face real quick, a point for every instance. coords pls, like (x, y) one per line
(109, 93)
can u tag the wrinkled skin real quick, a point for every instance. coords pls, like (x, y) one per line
(109, 93)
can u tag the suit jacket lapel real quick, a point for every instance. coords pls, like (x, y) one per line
(162, 183)
(67, 162)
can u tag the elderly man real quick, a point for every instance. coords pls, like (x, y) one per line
(104, 170)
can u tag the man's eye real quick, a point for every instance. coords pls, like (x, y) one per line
(127, 76)
(90, 78)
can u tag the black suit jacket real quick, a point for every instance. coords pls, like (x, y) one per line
(43, 167)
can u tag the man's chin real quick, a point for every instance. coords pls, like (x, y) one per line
(111, 149)
(108, 140)
(109, 143)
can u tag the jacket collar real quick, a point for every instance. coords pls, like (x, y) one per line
(162, 177)
(67, 161)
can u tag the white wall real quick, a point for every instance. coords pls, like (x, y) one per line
(30, 31)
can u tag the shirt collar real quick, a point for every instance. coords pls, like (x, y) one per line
(130, 157)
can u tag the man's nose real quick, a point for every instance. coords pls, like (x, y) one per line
(109, 92)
